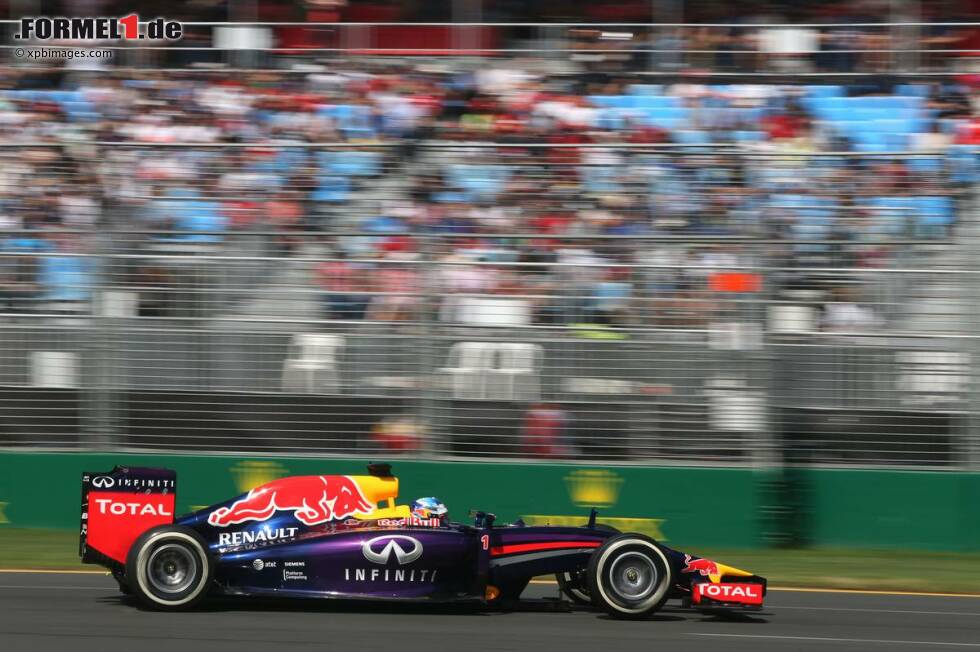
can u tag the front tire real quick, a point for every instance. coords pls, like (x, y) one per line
(629, 576)
(168, 568)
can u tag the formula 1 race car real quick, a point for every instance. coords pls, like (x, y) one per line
(336, 536)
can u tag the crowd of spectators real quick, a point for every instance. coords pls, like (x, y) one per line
(567, 210)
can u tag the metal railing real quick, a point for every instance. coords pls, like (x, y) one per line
(626, 303)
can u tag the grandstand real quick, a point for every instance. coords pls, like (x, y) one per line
(693, 257)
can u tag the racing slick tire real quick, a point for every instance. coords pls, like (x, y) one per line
(168, 568)
(629, 576)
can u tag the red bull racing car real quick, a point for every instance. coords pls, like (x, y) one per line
(336, 536)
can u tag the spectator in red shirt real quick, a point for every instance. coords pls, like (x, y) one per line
(544, 431)
(285, 215)
(397, 288)
(344, 298)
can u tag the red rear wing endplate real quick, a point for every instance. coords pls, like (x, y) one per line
(120, 505)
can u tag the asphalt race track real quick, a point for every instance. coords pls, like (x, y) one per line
(66, 612)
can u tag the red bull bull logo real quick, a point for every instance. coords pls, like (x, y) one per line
(313, 499)
(704, 566)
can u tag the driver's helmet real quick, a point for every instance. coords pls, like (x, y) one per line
(430, 507)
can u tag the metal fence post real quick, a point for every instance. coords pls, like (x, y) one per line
(99, 420)
(971, 224)
(427, 389)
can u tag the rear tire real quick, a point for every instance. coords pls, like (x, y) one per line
(629, 576)
(168, 568)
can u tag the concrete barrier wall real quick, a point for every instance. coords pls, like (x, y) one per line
(683, 506)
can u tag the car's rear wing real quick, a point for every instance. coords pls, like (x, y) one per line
(118, 506)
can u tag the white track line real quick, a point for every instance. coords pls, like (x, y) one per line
(35, 587)
(55, 571)
(797, 589)
(926, 594)
(821, 639)
(975, 614)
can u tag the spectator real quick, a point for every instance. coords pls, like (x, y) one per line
(396, 290)
(546, 432)
(844, 313)
(400, 434)
(19, 289)
(285, 214)
(344, 285)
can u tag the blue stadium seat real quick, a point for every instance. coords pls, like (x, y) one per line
(826, 105)
(869, 112)
(950, 125)
(834, 115)
(811, 224)
(65, 278)
(888, 102)
(656, 102)
(870, 142)
(716, 102)
(934, 211)
(353, 120)
(824, 90)
(613, 101)
(338, 112)
(26, 243)
(918, 125)
(666, 117)
(901, 126)
(350, 163)
(384, 224)
(600, 178)
(912, 90)
(668, 124)
(69, 96)
(479, 181)
(964, 162)
(192, 212)
(896, 142)
(925, 164)
(748, 136)
(881, 126)
(893, 215)
(847, 128)
(332, 189)
(288, 159)
(692, 137)
(914, 103)
(447, 197)
(610, 119)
